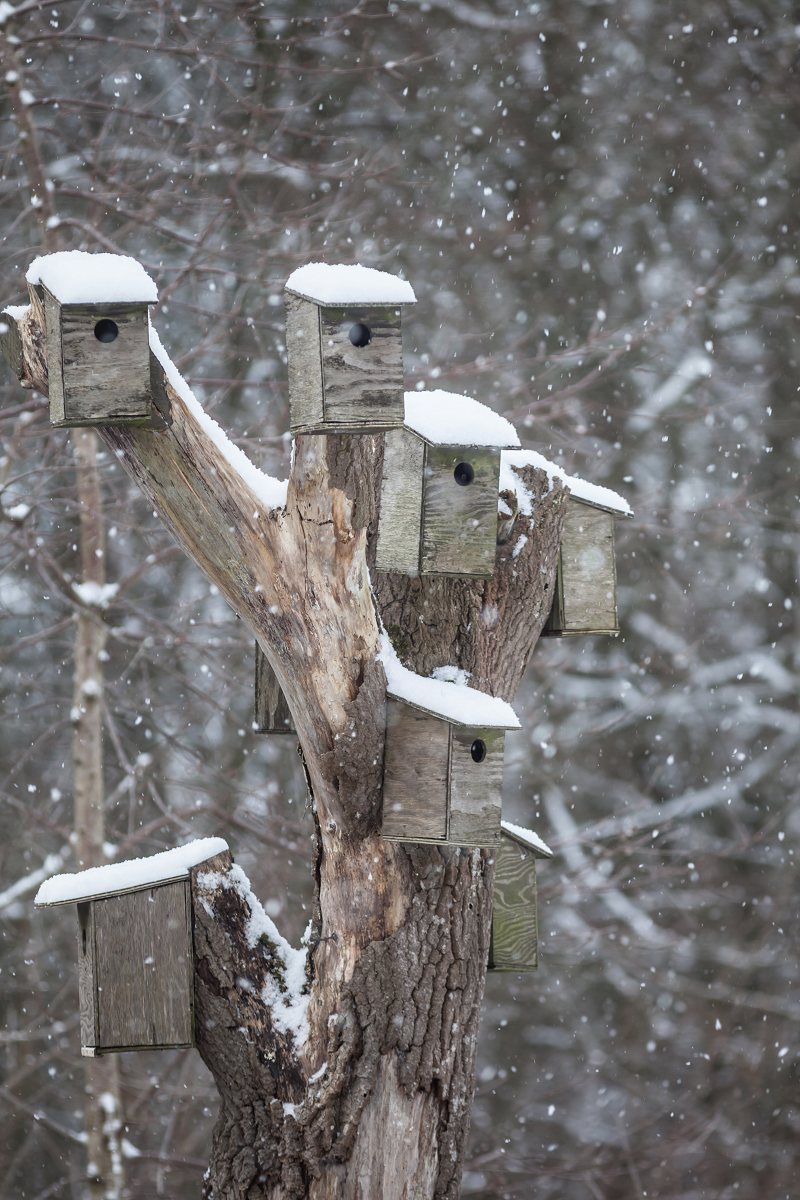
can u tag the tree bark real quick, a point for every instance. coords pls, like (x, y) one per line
(376, 1101)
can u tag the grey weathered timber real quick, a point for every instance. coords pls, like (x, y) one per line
(272, 713)
(335, 385)
(459, 523)
(585, 597)
(515, 934)
(415, 775)
(94, 382)
(400, 525)
(433, 788)
(136, 970)
(475, 787)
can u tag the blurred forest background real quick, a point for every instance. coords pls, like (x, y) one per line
(597, 206)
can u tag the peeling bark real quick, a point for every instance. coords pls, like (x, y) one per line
(376, 1102)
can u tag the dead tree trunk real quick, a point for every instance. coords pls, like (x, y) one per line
(376, 1100)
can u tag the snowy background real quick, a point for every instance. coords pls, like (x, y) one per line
(595, 204)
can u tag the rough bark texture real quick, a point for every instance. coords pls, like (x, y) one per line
(376, 1103)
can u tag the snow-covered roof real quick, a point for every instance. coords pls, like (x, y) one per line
(128, 876)
(77, 277)
(448, 419)
(452, 701)
(579, 489)
(337, 283)
(527, 838)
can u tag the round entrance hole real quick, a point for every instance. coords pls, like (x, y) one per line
(464, 474)
(360, 335)
(478, 750)
(106, 330)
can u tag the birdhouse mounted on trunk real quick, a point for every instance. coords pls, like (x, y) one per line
(515, 929)
(97, 336)
(135, 956)
(272, 714)
(585, 597)
(443, 764)
(345, 348)
(441, 474)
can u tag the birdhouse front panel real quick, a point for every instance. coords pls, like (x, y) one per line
(459, 511)
(415, 782)
(515, 932)
(476, 784)
(585, 598)
(362, 367)
(272, 713)
(98, 363)
(136, 970)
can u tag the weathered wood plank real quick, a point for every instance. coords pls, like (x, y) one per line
(87, 982)
(400, 522)
(586, 584)
(104, 381)
(272, 713)
(304, 364)
(52, 330)
(144, 968)
(515, 934)
(459, 523)
(475, 787)
(415, 774)
(362, 385)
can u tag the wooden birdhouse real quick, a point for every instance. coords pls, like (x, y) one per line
(345, 349)
(443, 764)
(515, 933)
(272, 714)
(585, 596)
(441, 474)
(135, 957)
(97, 337)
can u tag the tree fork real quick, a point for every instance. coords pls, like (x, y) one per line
(376, 1103)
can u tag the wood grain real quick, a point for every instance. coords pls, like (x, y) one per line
(585, 598)
(475, 788)
(362, 386)
(515, 934)
(87, 983)
(102, 382)
(272, 714)
(400, 522)
(304, 364)
(143, 952)
(415, 774)
(459, 524)
(55, 366)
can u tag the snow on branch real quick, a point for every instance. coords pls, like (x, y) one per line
(580, 489)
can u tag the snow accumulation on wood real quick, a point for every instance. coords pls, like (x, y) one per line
(336, 283)
(527, 838)
(78, 277)
(447, 419)
(579, 489)
(269, 491)
(452, 701)
(116, 878)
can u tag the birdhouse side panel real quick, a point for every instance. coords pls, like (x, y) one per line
(145, 969)
(459, 519)
(87, 980)
(272, 714)
(415, 775)
(304, 364)
(105, 381)
(362, 384)
(588, 582)
(515, 933)
(55, 367)
(400, 520)
(476, 786)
